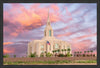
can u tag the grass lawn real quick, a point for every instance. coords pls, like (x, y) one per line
(49, 62)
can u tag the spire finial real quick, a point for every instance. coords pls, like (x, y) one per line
(48, 21)
(48, 13)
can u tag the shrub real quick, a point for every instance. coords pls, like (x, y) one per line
(41, 55)
(83, 55)
(61, 55)
(93, 55)
(33, 55)
(88, 55)
(77, 55)
(71, 54)
(68, 54)
(48, 54)
(6, 56)
(14, 56)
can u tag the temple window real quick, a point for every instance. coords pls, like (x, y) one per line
(42, 51)
(42, 48)
(49, 32)
(56, 46)
(68, 46)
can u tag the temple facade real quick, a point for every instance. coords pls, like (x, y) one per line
(48, 43)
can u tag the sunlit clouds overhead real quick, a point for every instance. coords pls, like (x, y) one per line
(75, 23)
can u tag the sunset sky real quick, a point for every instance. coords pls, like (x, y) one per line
(75, 23)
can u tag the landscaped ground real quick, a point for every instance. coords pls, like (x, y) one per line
(51, 61)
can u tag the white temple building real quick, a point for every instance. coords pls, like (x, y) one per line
(48, 43)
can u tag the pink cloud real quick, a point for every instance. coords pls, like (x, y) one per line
(54, 7)
(82, 44)
(14, 34)
(6, 43)
(65, 34)
(6, 50)
(67, 12)
(84, 36)
(34, 6)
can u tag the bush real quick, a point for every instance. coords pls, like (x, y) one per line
(88, 55)
(68, 55)
(71, 54)
(77, 55)
(14, 56)
(61, 55)
(33, 55)
(48, 54)
(6, 56)
(93, 55)
(83, 55)
(41, 55)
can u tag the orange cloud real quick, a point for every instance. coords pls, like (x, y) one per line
(62, 35)
(31, 18)
(8, 51)
(14, 34)
(6, 43)
(26, 20)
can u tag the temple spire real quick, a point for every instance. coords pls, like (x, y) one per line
(48, 21)
(48, 32)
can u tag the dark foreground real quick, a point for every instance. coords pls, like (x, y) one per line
(51, 61)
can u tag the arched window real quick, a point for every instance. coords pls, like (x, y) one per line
(42, 48)
(49, 32)
(68, 46)
(56, 46)
(42, 51)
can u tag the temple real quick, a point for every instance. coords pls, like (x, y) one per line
(48, 43)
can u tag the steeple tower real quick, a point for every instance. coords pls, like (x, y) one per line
(48, 32)
(48, 21)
